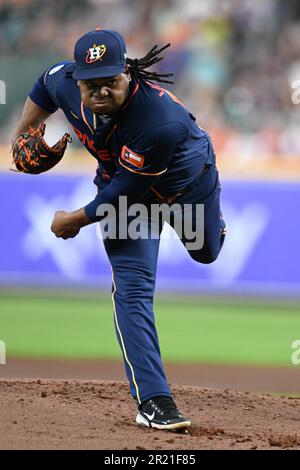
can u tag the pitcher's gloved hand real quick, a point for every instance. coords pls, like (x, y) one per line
(31, 154)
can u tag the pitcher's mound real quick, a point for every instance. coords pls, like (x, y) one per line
(51, 414)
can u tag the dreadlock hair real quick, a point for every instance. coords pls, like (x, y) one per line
(138, 66)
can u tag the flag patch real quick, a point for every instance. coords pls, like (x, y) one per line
(134, 158)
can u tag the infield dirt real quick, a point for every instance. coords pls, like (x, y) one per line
(74, 414)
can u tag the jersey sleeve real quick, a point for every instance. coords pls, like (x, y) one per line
(40, 96)
(44, 91)
(123, 183)
(150, 153)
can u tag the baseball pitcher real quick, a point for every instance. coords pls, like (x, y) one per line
(149, 148)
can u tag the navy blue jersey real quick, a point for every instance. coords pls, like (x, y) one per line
(151, 146)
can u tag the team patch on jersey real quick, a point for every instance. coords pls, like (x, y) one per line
(95, 53)
(134, 158)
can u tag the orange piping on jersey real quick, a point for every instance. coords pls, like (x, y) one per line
(174, 98)
(133, 93)
(84, 118)
(163, 91)
(140, 172)
(157, 193)
(157, 87)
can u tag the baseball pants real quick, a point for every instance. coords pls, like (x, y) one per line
(134, 263)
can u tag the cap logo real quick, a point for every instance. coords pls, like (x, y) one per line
(95, 53)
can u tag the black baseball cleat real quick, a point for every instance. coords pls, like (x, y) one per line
(161, 413)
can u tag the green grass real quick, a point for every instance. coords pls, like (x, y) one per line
(192, 329)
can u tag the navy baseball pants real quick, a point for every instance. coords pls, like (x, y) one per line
(134, 265)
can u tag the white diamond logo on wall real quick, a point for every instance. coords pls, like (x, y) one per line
(245, 227)
(39, 241)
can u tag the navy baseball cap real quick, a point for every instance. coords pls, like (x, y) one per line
(99, 53)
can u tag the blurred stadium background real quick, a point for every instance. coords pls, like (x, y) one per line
(236, 63)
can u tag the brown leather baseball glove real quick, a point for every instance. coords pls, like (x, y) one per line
(31, 154)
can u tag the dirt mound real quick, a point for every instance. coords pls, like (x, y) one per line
(279, 380)
(52, 414)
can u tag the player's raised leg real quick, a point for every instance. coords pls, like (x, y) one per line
(206, 191)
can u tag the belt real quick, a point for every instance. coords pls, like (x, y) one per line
(171, 199)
